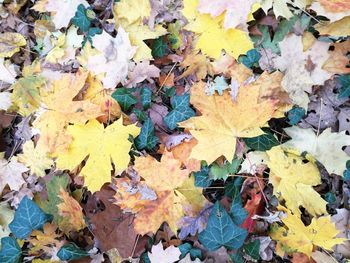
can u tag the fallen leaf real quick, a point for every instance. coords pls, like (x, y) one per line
(168, 255)
(243, 118)
(112, 143)
(11, 173)
(298, 237)
(212, 37)
(10, 44)
(292, 181)
(71, 211)
(325, 147)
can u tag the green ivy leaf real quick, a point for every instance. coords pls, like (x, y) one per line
(251, 59)
(263, 142)
(221, 231)
(124, 97)
(146, 98)
(218, 172)
(237, 257)
(28, 217)
(159, 48)
(10, 251)
(252, 249)
(237, 212)
(141, 115)
(181, 111)
(70, 252)
(201, 178)
(80, 19)
(344, 91)
(295, 115)
(146, 139)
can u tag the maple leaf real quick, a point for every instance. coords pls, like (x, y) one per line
(298, 78)
(102, 145)
(298, 237)
(223, 121)
(212, 36)
(10, 43)
(8, 71)
(176, 193)
(11, 173)
(236, 12)
(280, 7)
(293, 180)
(110, 57)
(61, 109)
(71, 211)
(338, 60)
(325, 147)
(35, 158)
(133, 11)
(159, 254)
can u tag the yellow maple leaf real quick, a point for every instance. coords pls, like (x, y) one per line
(295, 236)
(161, 176)
(71, 212)
(223, 121)
(43, 240)
(35, 158)
(102, 145)
(176, 193)
(293, 179)
(213, 38)
(61, 109)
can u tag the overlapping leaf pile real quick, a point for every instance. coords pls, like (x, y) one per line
(174, 131)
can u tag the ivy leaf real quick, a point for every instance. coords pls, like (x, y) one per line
(221, 231)
(91, 33)
(70, 252)
(237, 257)
(237, 212)
(146, 139)
(263, 142)
(140, 115)
(80, 19)
(28, 217)
(124, 97)
(251, 59)
(345, 86)
(10, 251)
(201, 178)
(146, 98)
(181, 111)
(295, 115)
(159, 48)
(252, 249)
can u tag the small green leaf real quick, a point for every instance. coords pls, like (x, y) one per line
(221, 231)
(174, 35)
(80, 19)
(221, 172)
(70, 252)
(181, 111)
(10, 251)
(170, 92)
(237, 257)
(146, 98)
(252, 249)
(124, 97)
(237, 212)
(53, 188)
(146, 139)
(91, 32)
(159, 48)
(251, 59)
(263, 142)
(28, 217)
(344, 91)
(295, 115)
